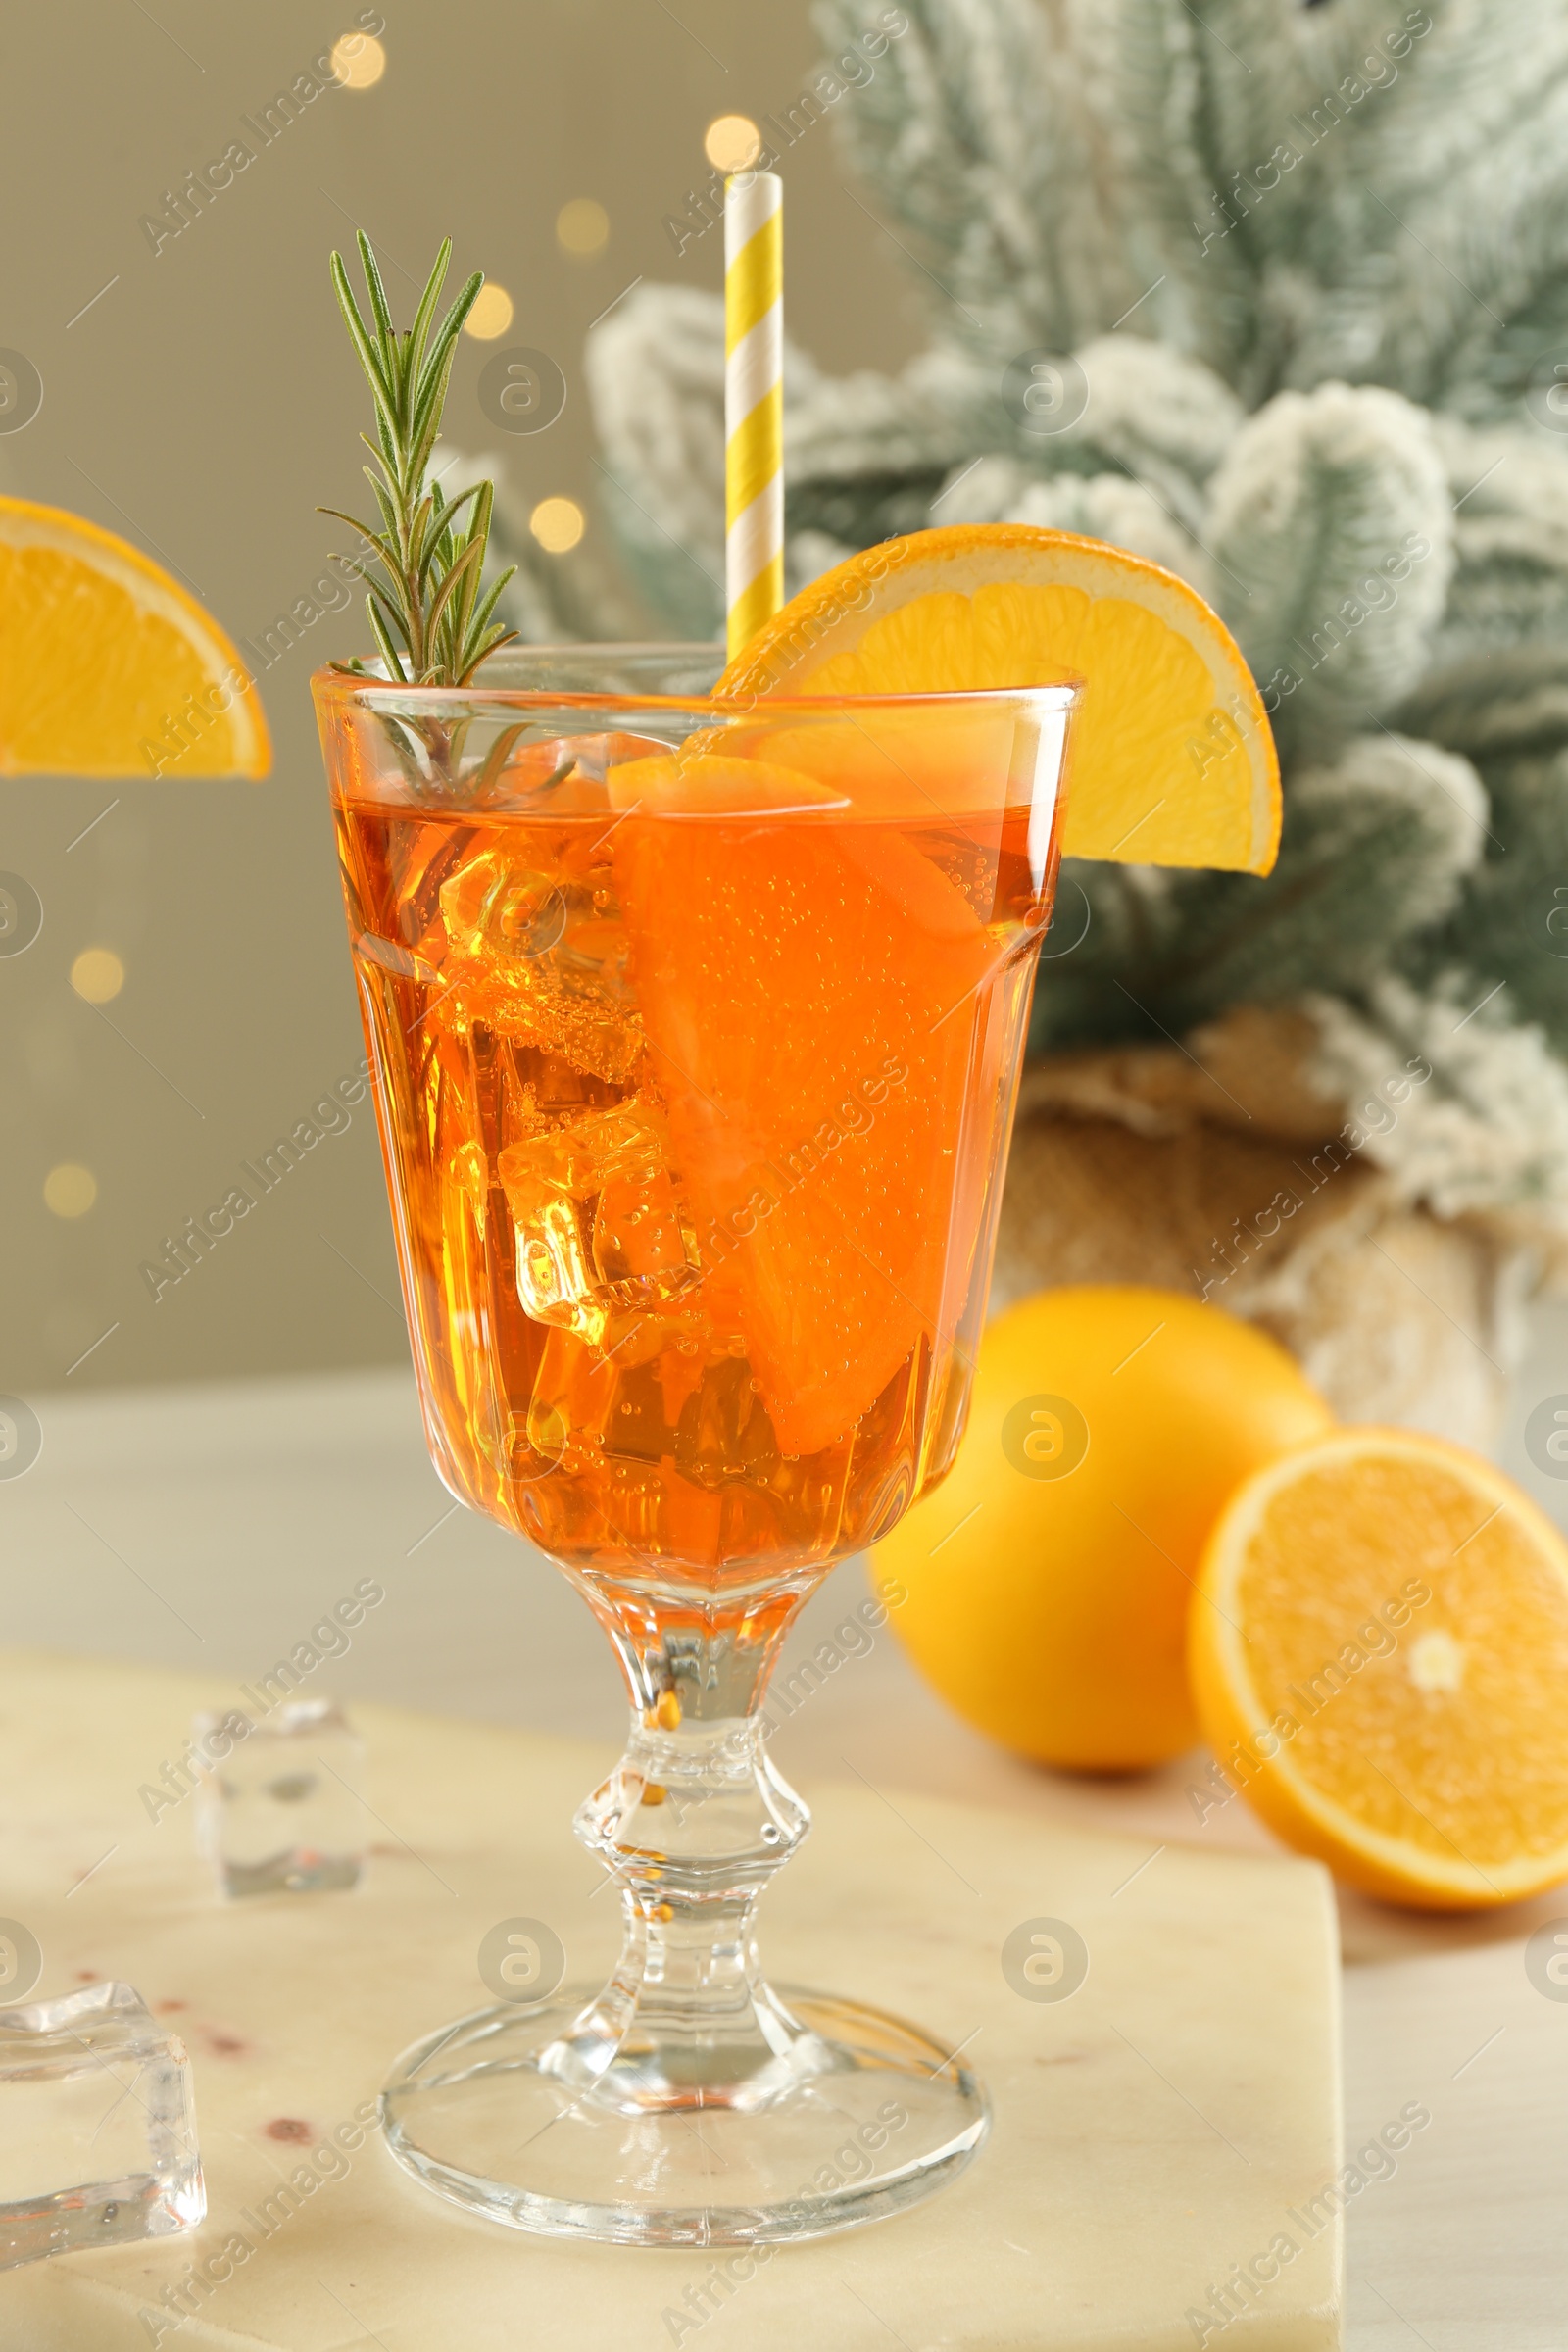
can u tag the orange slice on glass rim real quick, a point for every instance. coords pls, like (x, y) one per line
(108, 668)
(1173, 762)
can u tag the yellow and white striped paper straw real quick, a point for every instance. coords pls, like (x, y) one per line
(753, 401)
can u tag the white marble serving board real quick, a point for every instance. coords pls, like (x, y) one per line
(1166, 2123)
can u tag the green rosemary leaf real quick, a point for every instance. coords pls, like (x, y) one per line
(360, 564)
(389, 514)
(443, 528)
(496, 757)
(490, 643)
(479, 538)
(423, 317)
(430, 392)
(483, 508)
(353, 524)
(389, 653)
(387, 539)
(426, 419)
(386, 606)
(450, 508)
(418, 530)
(368, 355)
(481, 618)
(471, 556)
(352, 563)
(379, 307)
(488, 601)
(446, 335)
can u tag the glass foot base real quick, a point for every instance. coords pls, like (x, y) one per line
(870, 2117)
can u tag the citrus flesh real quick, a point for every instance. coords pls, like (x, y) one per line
(1044, 1588)
(1379, 1653)
(107, 666)
(798, 1021)
(1173, 762)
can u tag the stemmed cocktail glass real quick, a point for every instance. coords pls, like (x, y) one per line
(695, 1029)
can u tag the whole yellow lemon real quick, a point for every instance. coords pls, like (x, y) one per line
(1046, 1581)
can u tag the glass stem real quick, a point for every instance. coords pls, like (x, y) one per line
(692, 1823)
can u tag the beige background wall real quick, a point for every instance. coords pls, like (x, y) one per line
(203, 404)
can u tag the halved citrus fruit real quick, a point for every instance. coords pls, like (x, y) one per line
(1173, 762)
(107, 666)
(1379, 1655)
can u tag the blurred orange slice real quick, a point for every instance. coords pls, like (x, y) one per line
(1172, 760)
(1379, 1655)
(107, 666)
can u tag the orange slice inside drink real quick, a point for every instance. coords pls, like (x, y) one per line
(809, 997)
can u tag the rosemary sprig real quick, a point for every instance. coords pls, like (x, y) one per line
(432, 620)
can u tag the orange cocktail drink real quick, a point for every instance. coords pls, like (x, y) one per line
(694, 1074)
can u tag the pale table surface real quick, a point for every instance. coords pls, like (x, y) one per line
(1163, 2123)
(210, 1529)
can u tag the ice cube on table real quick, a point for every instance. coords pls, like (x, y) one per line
(97, 2127)
(600, 1224)
(278, 1812)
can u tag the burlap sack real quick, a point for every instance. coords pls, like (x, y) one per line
(1221, 1171)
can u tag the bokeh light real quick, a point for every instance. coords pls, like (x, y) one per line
(557, 524)
(491, 314)
(69, 1189)
(97, 975)
(732, 143)
(358, 61)
(582, 227)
